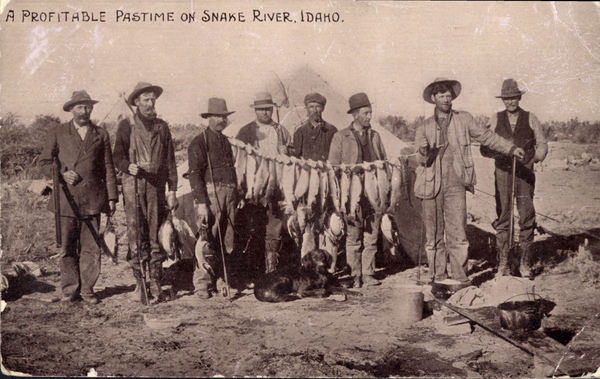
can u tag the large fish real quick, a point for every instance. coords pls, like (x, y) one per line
(262, 177)
(396, 184)
(370, 185)
(278, 162)
(272, 182)
(186, 237)
(313, 184)
(303, 213)
(389, 229)
(288, 180)
(240, 165)
(334, 232)
(324, 188)
(356, 190)
(344, 187)
(251, 163)
(293, 228)
(334, 187)
(234, 148)
(383, 184)
(168, 238)
(303, 181)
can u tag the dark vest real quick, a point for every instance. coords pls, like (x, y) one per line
(523, 137)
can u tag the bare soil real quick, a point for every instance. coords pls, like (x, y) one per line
(360, 337)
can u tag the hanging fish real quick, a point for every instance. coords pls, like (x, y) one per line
(370, 185)
(293, 228)
(278, 162)
(389, 229)
(345, 187)
(303, 181)
(168, 238)
(313, 185)
(383, 184)
(251, 164)
(323, 188)
(287, 183)
(396, 186)
(303, 214)
(262, 178)
(186, 237)
(334, 232)
(356, 189)
(334, 187)
(272, 183)
(234, 148)
(110, 239)
(240, 166)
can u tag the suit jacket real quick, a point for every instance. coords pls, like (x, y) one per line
(344, 147)
(91, 159)
(461, 130)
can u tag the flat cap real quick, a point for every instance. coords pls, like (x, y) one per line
(315, 98)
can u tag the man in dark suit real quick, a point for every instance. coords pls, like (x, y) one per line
(85, 164)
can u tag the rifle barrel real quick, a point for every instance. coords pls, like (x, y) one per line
(56, 193)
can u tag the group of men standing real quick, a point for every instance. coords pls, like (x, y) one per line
(144, 153)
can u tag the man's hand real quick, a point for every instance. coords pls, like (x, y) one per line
(172, 202)
(519, 153)
(112, 206)
(71, 177)
(202, 212)
(133, 169)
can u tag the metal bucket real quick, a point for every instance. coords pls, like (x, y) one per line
(408, 304)
(521, 315)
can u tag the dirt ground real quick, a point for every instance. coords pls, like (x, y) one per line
(360, 337)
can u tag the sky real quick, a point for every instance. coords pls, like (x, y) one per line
(389, 50)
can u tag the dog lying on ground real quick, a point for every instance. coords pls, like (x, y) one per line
(312, 279)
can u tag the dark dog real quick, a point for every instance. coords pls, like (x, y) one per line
(310, 280)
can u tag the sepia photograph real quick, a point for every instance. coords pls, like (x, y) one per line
(314, 188)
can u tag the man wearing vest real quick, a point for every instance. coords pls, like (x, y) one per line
(272, 139)
(214, 187)
(445, 171)
(357, 144)
(312, 141)
(145, 139)
(524, 130)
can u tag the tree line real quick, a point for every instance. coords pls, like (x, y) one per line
(20, 145)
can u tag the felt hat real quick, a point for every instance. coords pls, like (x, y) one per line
(78, 97)
(216, 107)
(263, 100)
(143, 87)
(357, 101)
(315, 98)
(455, 84)
(510, 88)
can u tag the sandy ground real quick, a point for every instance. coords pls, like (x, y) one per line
(360, 337)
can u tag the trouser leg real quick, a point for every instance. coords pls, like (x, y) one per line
(274, 237)
(435, 247)
(526, 210)
(89, 260)
(370, 234)
(501, 225)
(455, 216)
(69, 261)
(353, 247)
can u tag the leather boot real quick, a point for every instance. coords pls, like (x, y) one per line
(525, 264)
(155, 282)
(136, 295)
(503, 268)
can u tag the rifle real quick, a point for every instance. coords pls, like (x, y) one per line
(56, 185)
(138, 241)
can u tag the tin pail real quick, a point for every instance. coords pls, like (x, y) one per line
(408, 304)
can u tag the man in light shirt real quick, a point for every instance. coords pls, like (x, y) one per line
(524, 130)
(271, 138)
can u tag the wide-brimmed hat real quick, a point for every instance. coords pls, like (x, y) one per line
(216, 107)
(78, 97)
(143, 87)
(510, 88)
(455, 84)
(315, 98)
(357, 101)
(263, 100)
